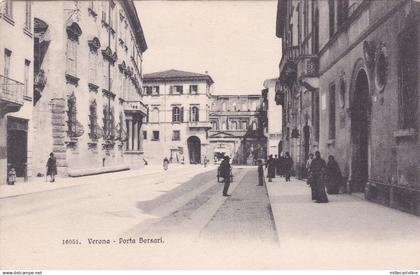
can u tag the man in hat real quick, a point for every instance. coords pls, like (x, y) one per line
(225, 170)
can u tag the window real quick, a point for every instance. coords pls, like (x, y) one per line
(155, 90)
(28, 19)
(176, 114)
(154, 117)
(145, 135)
(7, 55)
(223, 125)
(92, 63)
(71, 57)
(149, 90)
(93, 120)
(214, 125)
(244, 125)
(8, 8)
(315, 114)
(71, 116)
(234, 125)
(176, 90)
(223, 106)
(109, 122)
(342, 12)
(26, 77)
(408, 76)
(176, 135)
(195, 114)
(193, 89)
(155, 135)
(331, 132)
(105, 76)
(331, 6)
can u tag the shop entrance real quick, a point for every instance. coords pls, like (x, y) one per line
(194, 149)
(17, 145)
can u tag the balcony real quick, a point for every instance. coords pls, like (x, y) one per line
(307, 66)
(11, 95)
(287, 65)
(199, 125)
(135, 107)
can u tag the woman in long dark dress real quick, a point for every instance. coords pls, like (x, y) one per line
(271, 168)
(288, 165)
(318, 167)
(52, 167)
(334, 176)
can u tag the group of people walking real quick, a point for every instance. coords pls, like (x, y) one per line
(323, 176)
(281, 166)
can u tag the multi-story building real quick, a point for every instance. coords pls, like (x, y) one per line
(273, 116)
(88, 106)
(16, 77)
(349, 88)
(178, 124)
(236, 130)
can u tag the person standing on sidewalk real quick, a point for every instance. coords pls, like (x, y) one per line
(288, 165)
(225, 170)
(165, 163)
(318, 168)
(271, 168)
(334, 176)
(260, 173)
(52, 167)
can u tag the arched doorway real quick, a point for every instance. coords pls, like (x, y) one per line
(360, 131)
(194, 149)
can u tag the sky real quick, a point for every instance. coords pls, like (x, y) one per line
(233, 40)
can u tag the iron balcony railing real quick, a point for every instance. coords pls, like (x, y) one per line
(11, 90)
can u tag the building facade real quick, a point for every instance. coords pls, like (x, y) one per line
(273, 125)
(88, 106)
(16, 99)
(236, 130)
(349, 87)
(178, 121)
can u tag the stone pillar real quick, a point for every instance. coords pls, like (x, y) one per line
(136, 135)
(130, 134)
(141, 135)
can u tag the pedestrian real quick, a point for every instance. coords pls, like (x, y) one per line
(165, 163)
(308, 164)
(260, 173)
(11, 176)
(52, 167)
(225, 172)
(276, 165)
(318, 169)
(205, 161)
(281, 164)
(334, 176)
(288, 165)
(271, 168)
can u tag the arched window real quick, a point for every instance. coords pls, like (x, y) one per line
(176, 114)
(195, 114)
(154, 117)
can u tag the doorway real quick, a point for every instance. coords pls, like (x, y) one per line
(360, 130)
(194, 149)
(17, 145)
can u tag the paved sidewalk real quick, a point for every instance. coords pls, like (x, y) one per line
(39, 184)
(347, 232)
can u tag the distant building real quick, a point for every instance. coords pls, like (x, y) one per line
(178, 124)
(272, 125)
(88, 106)
(236, 130)
(349, 82)
(16, 81)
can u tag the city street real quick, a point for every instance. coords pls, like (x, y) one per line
(153, 218)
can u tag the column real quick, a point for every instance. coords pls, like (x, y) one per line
(135, 135)
(141, 135)
(129, 134)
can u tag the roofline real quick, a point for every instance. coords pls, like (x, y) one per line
(131, 11)
(206, 78)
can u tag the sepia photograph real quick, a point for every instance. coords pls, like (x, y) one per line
(209, 135)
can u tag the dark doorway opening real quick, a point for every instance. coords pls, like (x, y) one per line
(280, 148)
(360, 124)
(194, 149)
(17, 145)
